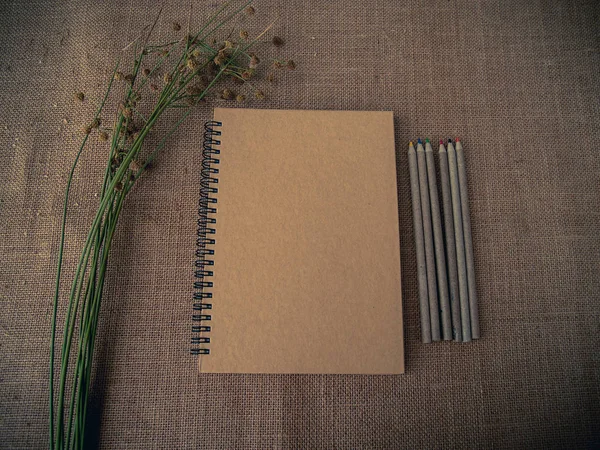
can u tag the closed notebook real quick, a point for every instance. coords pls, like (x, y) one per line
(298, 267)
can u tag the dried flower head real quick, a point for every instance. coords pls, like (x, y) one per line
(260, 95)
(119, 76)
(254, 61)
(247, 74)
(134, 165)
(291, 65)
(103, 136)
(240, 98)
(129, 78)
(168, 78)
(79, 96)
(127, 112)
(243, 34)
(96, 123)
(226, 94)
(271, 78)
(220, 59)
(277, 41)
(196, 53)
(146, 72)
(176, 26)
(228, 44)
(277, 64)
(86, 129)
(119, 187)
(193, 64)
(250, 10)
(195, 89)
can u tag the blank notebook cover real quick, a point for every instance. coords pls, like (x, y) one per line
(302, 273)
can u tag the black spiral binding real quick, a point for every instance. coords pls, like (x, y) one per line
(204, 240)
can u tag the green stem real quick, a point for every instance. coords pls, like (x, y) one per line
(59, 267)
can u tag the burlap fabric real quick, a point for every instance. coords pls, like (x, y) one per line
(517, 80)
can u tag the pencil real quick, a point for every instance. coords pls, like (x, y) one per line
(466, 218)
(419, 244)
(434, 310)
(463, 290)
(438, 241)
(450, 243)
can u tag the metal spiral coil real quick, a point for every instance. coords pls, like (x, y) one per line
(204, 237)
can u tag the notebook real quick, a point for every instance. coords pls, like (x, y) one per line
(298, 267)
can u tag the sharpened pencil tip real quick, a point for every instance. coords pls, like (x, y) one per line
(457, 140)
(449, 141)
(419, 141)
(410, 143)
(427, 141)
(441, 142)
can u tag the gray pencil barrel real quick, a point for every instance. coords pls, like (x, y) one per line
(419, 244)
(450, 244)
(466, 216)
(461, 265)
(434, 309)
(438, 241)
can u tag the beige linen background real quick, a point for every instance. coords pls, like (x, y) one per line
(517, 80)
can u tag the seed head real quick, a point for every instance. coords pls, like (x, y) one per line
(127, 112)
(168, 78)
(277, 41)
(250, 10)
(247, 74)
(228, 44)
(129, 78)
(79, 96)
(260, 95)
(95, 123)
(240, 98)
(119, 187)
(176, 26)
(195, 89)
(226, 94)
(103, 136)
(271, 78)
(244, 34)
(146, 72)
(193, 64)
(254, 62)
(220, 59)
(134, 165)
(87, 129)
(291, 65)
(196, 53)
(119, 76)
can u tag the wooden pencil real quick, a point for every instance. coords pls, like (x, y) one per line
(419, 244)
(434, 309)
(450, 243)
(461, 266)
(466, 219)
(438, 241)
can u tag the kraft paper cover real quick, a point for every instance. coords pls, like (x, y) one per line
(307, 254)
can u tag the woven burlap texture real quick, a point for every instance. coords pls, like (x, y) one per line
(518, 81)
